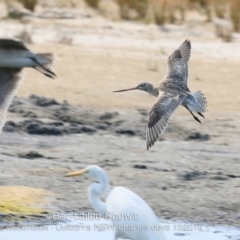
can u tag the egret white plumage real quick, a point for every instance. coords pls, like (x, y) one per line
(121, 201)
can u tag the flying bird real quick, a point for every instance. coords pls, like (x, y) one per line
(172, 92)
(130, 215)
(14, 56)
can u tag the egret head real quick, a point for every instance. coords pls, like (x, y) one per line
(91, 170)
(99, 187)
(144, 86)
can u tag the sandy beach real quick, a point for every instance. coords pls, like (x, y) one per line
(191, 174)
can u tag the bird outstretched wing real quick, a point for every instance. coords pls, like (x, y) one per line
(161, 113)
(178, 62)
(9, 82)
(6, 43)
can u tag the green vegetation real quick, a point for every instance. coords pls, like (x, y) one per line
(235, 14)
(29, 4)
(164, 11)
(19, 209)
(92, 3)
(22, 200)
(140, 6)
(172, 11)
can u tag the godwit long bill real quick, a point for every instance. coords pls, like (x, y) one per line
(172, 92)
(14, 56)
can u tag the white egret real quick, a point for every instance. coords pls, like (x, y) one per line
(131, 216)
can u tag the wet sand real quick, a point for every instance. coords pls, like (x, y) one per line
(190, 174)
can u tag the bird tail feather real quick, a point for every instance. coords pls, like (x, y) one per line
(201, 102)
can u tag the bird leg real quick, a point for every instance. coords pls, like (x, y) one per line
(201, 114)
(196, 118)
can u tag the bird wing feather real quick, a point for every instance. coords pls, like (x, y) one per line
(161, 113)
(185, 49)
(6, 43)
(9, 82)
(178, 62)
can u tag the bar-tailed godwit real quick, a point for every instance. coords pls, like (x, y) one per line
(14, 56)
(172, 92)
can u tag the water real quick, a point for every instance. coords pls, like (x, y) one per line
(76, 230)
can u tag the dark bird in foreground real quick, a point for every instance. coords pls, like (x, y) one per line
(14, 56)
(172, 92)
